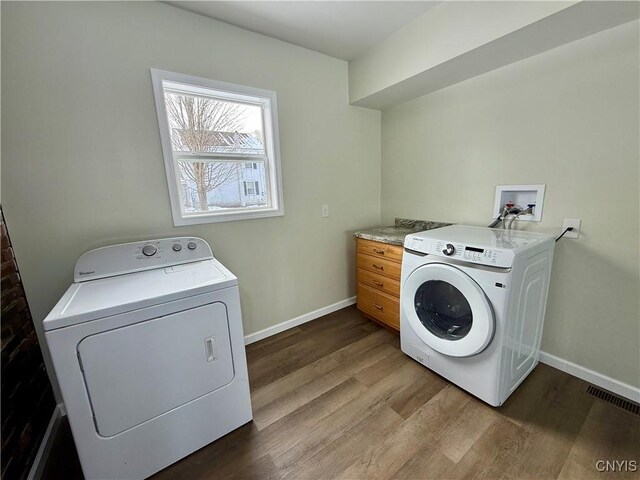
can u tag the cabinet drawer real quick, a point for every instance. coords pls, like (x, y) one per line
(379, 282)
(379, 265)
(382, 250)
(379, 305)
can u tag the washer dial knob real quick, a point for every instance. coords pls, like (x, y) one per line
(449, 249)
(176, 247)
(192, 245)
(149, 250)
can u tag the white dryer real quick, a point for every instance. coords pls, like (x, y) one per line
(472, 305)
(148, 348)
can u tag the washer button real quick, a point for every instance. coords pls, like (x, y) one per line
(177, 247)
(149, 250)
(192, 245)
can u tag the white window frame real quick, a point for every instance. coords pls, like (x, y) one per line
(230, 92)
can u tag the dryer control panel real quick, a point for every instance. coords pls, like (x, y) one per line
(139, 256)
(459, 251)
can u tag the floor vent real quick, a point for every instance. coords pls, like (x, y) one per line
(615, 400)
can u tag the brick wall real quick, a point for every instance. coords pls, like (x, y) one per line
(27, 398)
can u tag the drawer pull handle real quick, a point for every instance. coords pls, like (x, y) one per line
(378, 251)
(378, 306)
(380, 284)
(378, 267)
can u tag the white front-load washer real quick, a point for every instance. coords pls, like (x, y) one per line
(472, 305)
(148, 349)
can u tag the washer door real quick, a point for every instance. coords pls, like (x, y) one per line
(448, 310)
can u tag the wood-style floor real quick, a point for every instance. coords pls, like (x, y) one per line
(336, 398)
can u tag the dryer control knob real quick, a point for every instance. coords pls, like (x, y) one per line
(449, 249)
(149, 250)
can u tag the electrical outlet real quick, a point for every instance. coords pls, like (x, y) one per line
(571, 222)
(324, 211)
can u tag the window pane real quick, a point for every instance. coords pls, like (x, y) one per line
(220, 149)
(209, 186)
(209, 125)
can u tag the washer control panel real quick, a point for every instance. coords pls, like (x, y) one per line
(480, 255)
(466, 253)
(139, 256)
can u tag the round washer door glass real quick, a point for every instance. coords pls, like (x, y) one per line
(448, 310)
(443, 310)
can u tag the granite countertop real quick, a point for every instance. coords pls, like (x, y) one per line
(394, 234)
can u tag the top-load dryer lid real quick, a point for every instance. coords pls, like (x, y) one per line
(144, 286)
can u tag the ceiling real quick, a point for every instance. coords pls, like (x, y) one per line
(341, 29)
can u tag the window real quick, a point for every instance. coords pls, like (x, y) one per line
(212, 133)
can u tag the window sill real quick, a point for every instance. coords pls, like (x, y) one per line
(180, 221)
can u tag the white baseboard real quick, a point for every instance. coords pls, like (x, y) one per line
(294, 322)
(41, 457)
(599, 379)
(591, 376)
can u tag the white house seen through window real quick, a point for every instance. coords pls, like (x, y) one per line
(252, 188)
(220, 148)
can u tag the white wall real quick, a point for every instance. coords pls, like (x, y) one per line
(441, 34)
(82, 164)
(83, 167)
(567, 118)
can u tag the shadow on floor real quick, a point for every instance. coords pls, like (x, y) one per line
(63, 462)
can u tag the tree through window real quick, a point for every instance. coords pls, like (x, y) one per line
(216, 141)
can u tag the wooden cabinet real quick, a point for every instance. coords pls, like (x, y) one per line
(378, 275)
